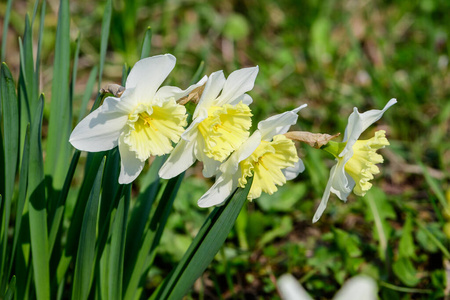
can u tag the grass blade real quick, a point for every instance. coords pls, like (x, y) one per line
(146, 43)
(86, 246)
(20, 205)
(10, 126)
(11, 289)
(141, 210)
(27, 66)
(39, 47)
(87, 93)
(117, 250)
(106, 24)
(5, 29)
(73, 234)
(75, 69)
(37, 210)
(58, 214)
(145, 251)
(204, 247)
(60, 119)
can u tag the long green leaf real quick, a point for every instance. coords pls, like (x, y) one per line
(60, 119)
(104, 246)
(57, 215)
(146, 43)
(39, 47)
(75, 69)
(204, 247)
(73, 234)
(11, 289)
(27, 66)
(117, 250)
(86, 247)
(37, 210)
(22, 255)
(10, 126)
(141, 210)
(5, 30)
(147, 244)
(87, 93)
(23, 182)
(106, 24)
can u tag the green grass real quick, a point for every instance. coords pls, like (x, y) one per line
(331, 55)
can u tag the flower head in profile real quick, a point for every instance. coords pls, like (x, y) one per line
(220, 124)
(355, 158)
(267, 155)
(144, 121)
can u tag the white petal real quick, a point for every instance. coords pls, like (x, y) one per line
(340, 184)
(148, 74)
(278, 124)
(181, 158)
(100, 130)
(218, 193)
(245, 98)
(358, 123)
(191, 132)
(213, 86)
(238, 83)
(167, 92)
(292, 172)
(210, 167)
(358, 287)
(325, 197)
(291, 289)
(130, 165)
(245, 150)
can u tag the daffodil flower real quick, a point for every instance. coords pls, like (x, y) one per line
(267, 155)
(220, 124)
(356, 159)
(355, 288)
(144, 121)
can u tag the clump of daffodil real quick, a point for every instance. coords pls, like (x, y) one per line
(267, 155)
(356, 159)
(220, 124)
(144, 121)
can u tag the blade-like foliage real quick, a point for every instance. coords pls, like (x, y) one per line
(10, 128)
(6, 15)
(37, 210)
(106, 23)
(86, 247)
(143, 253)
(146, 43)
(204, 247)
(60, 119)
(117, 250)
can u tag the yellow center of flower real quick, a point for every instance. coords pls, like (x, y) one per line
(224, 130)
(361, 165)
(266, 163)
(152, 129)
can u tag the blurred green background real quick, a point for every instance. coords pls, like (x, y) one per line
(332, 55)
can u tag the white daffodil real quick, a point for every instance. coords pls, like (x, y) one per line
(267, 155)
(356, 288)
(220, 124)
(356, 162)
(144, 121)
